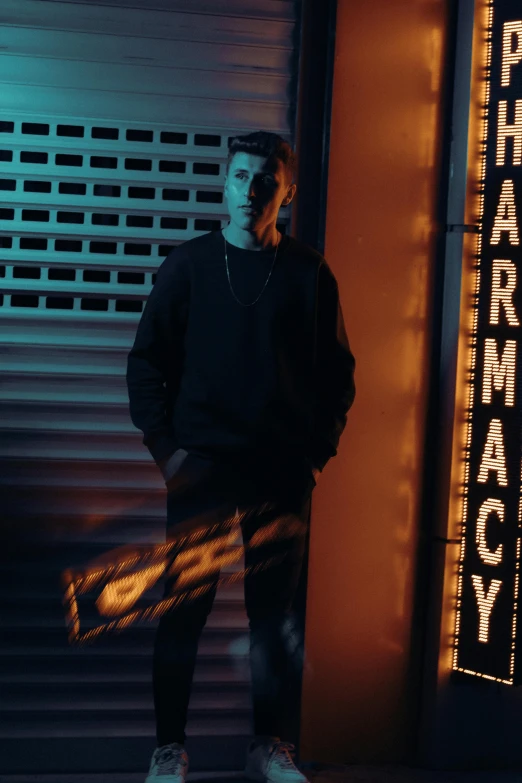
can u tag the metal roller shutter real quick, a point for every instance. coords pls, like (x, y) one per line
(113, 137)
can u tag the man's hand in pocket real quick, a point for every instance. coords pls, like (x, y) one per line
(170, 467)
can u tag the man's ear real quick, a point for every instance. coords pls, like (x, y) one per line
(289, 195)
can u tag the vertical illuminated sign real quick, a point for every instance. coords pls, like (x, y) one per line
(487, 630)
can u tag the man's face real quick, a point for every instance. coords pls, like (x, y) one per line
(259, 184)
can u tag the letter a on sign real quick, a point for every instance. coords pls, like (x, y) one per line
(506, 217)
(493, 456)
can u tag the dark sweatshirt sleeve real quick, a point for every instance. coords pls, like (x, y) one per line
(334, 371)
(155, 361)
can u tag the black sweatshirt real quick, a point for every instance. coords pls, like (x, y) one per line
(224, 380)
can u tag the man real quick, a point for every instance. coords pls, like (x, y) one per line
(240, 378)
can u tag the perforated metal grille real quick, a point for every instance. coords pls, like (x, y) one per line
(85, 227)
(113, 137)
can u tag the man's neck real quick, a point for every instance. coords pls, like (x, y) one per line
(266, 239)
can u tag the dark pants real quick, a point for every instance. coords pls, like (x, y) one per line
(276, 504)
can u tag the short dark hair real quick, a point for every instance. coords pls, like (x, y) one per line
(266, 145)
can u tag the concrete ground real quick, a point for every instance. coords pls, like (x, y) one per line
(317, 774)
(397, 774)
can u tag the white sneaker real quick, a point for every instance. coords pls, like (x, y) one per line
(270, 762)
(169, 764)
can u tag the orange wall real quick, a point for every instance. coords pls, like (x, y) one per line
(380, 239)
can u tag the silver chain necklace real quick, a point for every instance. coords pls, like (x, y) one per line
(265, 285)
